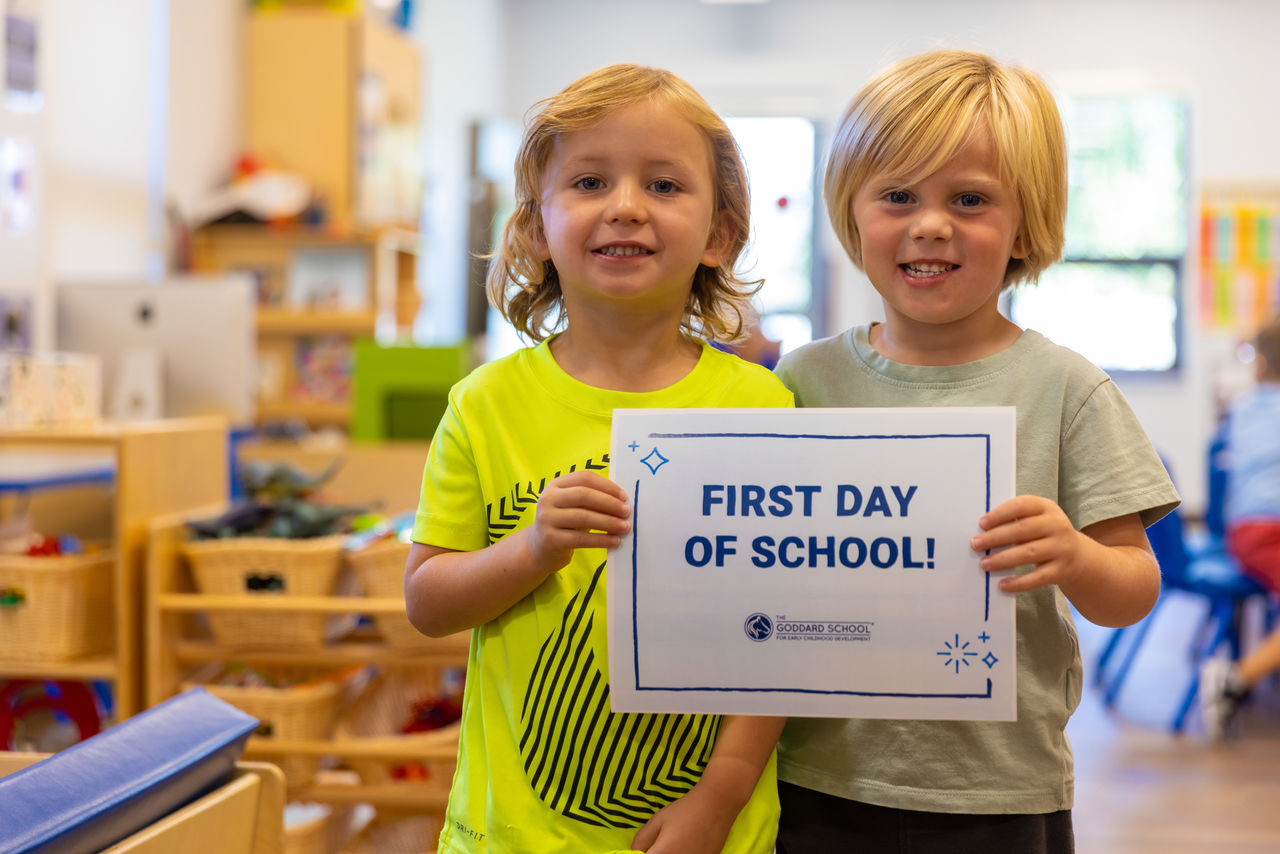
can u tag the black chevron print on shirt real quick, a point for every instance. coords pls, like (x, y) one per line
(504, 518)
(587, 763)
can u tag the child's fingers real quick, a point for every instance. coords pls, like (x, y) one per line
(585, 498)
(1011, 533)
(1019, 507)
(1029, 554)
(594, 540)
(591, 480)
(553, 548)
(645, 836)
(583, 519)
(1028, 580)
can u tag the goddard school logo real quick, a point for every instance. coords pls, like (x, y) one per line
(758, 627)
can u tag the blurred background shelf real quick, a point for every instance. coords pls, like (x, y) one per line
(160, 467)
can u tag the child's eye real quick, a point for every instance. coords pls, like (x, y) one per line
(589, 183)
(970, 200)
(663, 186)
(897, 197)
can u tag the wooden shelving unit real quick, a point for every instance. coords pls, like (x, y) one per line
(332, 97)
(278, 321)
(180, 648)
(161, 467)
(288, 387)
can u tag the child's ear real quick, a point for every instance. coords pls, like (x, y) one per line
(1019, 249)
(719, 240)
(539, 239)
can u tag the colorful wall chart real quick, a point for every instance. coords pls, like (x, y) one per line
(1239, 267)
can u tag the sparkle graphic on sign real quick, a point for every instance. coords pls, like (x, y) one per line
(654, 460)
(989, 660)
(957, 654)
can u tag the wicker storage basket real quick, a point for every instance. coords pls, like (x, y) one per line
(268, 566)
(380, 569)
(55, 608)
(376, 718)
(305, 710)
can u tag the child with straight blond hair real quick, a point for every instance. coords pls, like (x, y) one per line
(632, 209)
(946, 183)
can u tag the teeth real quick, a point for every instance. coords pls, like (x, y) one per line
(623, 251)
(928, 269)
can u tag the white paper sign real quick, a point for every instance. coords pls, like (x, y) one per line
(811, 562)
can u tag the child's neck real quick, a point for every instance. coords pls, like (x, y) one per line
(636, 360)
(933, 345)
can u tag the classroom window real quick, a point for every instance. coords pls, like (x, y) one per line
(1115, 296)
(780, 155)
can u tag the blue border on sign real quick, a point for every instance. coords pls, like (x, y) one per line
(635, 516)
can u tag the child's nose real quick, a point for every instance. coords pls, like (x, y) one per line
(626, 203)
(931, 223)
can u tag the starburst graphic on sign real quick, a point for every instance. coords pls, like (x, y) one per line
(957, 653)
(654, 460)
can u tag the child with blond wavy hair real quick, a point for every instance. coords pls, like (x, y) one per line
(631, 211)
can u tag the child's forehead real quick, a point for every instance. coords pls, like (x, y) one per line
(653, 129)
(646, 113)
(971, 150)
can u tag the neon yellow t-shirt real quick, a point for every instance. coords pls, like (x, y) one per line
(544, 766)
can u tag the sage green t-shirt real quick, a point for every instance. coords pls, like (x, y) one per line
(544, 766)
(1079, 444)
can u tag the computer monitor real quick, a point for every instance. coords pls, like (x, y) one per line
(182, 346)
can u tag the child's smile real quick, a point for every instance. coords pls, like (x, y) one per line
(623, 250)
(925, 270)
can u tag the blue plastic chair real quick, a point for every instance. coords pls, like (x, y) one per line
(1215, 511)
(1208, 572)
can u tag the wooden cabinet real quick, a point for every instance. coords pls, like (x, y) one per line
(181, 648)
(161, 467)
(335, 98)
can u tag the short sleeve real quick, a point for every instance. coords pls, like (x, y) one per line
(451, 508)
(1109, 467)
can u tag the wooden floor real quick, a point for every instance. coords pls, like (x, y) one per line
(1141, 789)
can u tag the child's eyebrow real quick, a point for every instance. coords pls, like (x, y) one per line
(981, 180)
(657, 162)
(977, 180)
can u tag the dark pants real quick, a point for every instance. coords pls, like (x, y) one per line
(818, 823)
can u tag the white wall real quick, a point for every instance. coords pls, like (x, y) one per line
(204, 98)
(463, 70)
(104, 143)
(807, 57)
